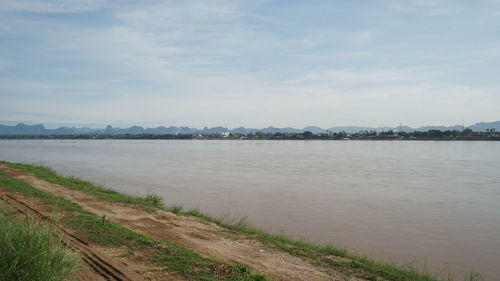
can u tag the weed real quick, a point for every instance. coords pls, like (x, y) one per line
(176, 209)
(31, 251)
(154, 200)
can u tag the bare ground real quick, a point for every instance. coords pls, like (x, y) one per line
(101, 263)
(199, 236)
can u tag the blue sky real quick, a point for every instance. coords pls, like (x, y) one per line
(250, 63)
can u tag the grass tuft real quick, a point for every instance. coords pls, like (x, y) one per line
(155, 200)
(176, 209)
(31, 251)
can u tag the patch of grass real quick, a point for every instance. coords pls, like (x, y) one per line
(154, 200)
(100, 191)
(197, 267)
(14, 185)
(31, 251)
(99, 230)
(472, 276)
(176, 209)
(166, 254)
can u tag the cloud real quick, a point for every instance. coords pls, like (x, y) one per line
(156, 42)
(51, 6)
(424, 7)
(181, 11)
(352, 77)
(320, 105)
(361, 37)
(222, 62)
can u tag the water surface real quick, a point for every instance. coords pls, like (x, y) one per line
(426, 202)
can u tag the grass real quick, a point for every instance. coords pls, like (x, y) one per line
(31, 251)
(104, 232)
(99, 230)
(360, 266)
(151, 200)
(197, 267)
(60, 203)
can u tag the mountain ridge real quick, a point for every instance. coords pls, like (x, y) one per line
(39, 129)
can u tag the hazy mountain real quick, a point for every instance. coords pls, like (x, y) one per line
(22, 129)
(243, 130)
(440, 128)
(39, 129)
(355, 129)
(314, 129)
(213, 130)
(274, 130)
(486, 125)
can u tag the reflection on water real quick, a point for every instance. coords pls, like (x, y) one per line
(436, 203)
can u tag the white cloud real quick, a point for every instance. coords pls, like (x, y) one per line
(427, 7)
(361, 37)
(190, 52)
(181, 11)
(52, 6)
(158, 41)
(257, 105)
(351, 77)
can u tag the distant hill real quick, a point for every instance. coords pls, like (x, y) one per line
(39, 129)
(483, 126)
(314, 129)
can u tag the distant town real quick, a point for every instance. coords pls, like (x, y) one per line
(478, 131)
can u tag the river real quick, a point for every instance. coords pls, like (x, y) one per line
(434, 204)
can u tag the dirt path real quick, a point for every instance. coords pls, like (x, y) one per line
(199, 236)
(102, 264)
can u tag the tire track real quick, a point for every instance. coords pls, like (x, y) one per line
(98, 262)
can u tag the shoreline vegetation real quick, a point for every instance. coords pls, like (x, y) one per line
(191, 265)
(29, 250)
(449, 135)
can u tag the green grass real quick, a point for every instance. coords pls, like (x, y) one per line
(31, 251)
(197, 267)
(360, 266)
(14, 185)
(102, 231)
(151, 200)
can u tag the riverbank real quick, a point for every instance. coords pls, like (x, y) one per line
(285, 137)
(198, 247)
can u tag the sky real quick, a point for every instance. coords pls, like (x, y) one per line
(254, 63)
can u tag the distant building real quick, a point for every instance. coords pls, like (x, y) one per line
(225, 134)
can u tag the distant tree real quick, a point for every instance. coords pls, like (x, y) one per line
(467, 131)
(435, 133)
(308, 135)
(404, 134)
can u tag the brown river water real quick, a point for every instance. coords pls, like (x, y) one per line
(432, 204)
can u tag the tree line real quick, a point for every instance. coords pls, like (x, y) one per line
(466, 134)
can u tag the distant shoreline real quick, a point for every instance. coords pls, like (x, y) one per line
(294, 137)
